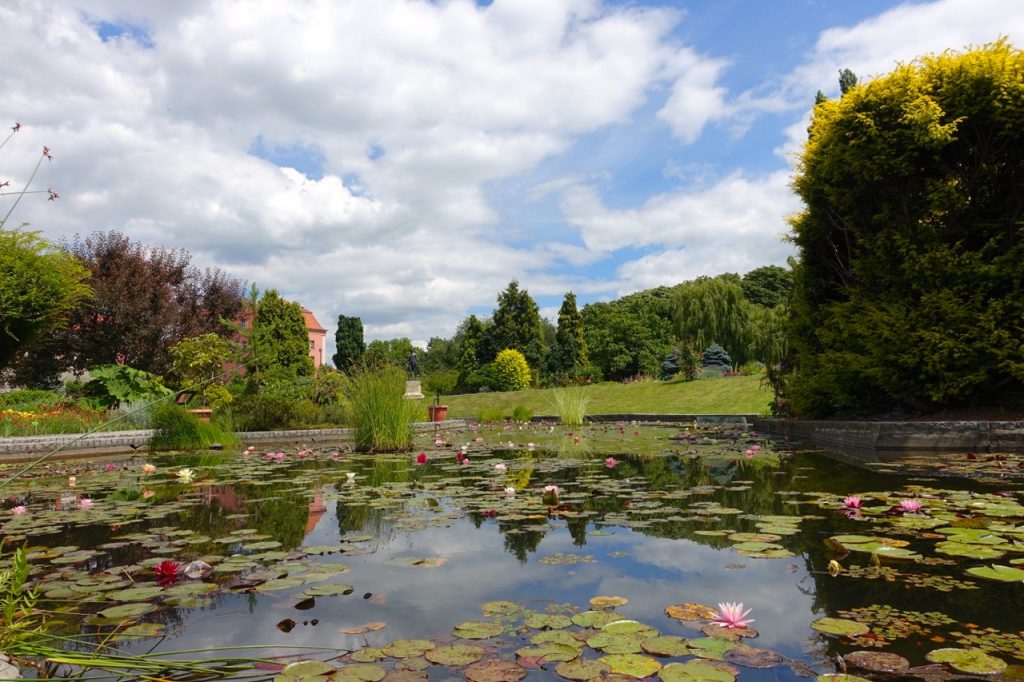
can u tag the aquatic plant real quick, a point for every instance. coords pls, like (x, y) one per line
(910, 506)
(570, 404)
(382, 418)
(177, 429)
(851, 502)
(732, 615)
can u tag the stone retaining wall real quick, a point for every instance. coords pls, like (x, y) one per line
(938, 436)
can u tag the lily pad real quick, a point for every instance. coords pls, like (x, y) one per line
(478, 629)
(360, 672)
(582, 669)
(551, 651)
(690, 611)
(126, 611)
(840, 626)
(539, 621)
(1006, 574)
(695, 671)
(974, 661)
(840, 677)
(135, 593)
(611, 643)
(455, 654)
(630, 627)
(711, 647)
(877, 661)
(604, 602)
(328, 590)
(666, 645)
(408, 648)
(751, 657)
(594, 619)
(632, 665)
(495, 670)
(305, 670)
(369, 654)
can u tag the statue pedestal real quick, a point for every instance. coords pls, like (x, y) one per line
(413, 390)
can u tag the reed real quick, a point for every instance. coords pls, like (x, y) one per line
(570, 404)
(381, 417)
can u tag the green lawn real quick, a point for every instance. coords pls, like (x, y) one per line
(720, 395)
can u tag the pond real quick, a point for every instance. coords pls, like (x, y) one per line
(538, 551)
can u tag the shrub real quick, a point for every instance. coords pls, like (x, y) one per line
(521, 413)
(177, 429)
(511, 371)
(443, 382)
(382, 418)
(481, 379)
(112, 384)
(136, 413)
(30, 400)
(269, 411)
(579, 376)
(716, 357)
(570, 404)
(683, 360)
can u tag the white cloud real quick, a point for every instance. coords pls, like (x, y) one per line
(152, 136)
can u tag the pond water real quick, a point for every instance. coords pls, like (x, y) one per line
(358, 554)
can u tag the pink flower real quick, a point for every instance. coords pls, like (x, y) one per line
(465, 461)
(334, 455)
(479, 439)
(910, 506)
(611, 462)
(85, 503)
(755, 448)
(733, 616)
(459, 456)
(439, 441)
(146, 494)
(278, 456)
(500, 468)
(421, 458)
(749, 453)
(110, 466)
(851, 502)
(149, 468)
(19, 510)
(552, 489)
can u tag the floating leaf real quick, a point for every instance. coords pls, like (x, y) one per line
(280, 584)
(840, 677)
(328, 590)
(611, 643)
(369, 654)
(477, 629)
(973, 661)
(539, 621)
(594, 619)
(126, 611)
(750, 657)
(548, 652)
(710, 647)
(360, 672)
(839, 626)
(305, 670)
(495, 670)
(695, 671)
(582, 669)
(632, 665)
(607, 602)
(135, 593)
(501, 608)
(455, 654)
(360, 629)
(665, 645)
(731, 634)
(877, 661)
(408, 648)
(1006, 574)
(690, 611)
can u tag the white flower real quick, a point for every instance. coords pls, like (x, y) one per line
(510, 491)
(185, 475)
(500, 468)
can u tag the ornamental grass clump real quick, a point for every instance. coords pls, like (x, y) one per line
(382, 418)
(570, 404)
(178, 429)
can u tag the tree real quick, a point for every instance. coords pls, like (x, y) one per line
(517, 325)
(768, 286)
(908, 278)
(511, 371)
(628, 337)
(39, 285)
(279, 340)
(847, 80)
(199, 361)
(348, 340)
(714, 310)
(469, 355)
(394, 352)
(144, 301)
(570, 348)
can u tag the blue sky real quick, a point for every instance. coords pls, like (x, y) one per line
(403, 161)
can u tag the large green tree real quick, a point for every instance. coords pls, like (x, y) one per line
(39, 285)
(715, 310)
(517, 325)
(348, 340)
(909, 290)
(569, 351)
(769, 285)
(279, 340)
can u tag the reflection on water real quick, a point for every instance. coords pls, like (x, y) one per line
(426, 545)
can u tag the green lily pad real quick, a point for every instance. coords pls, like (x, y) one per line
(539, 621)
(690, 612)
(605, 602)
(840, 677)
(126, 611)
(140, 630)
(279, 584)
(455, 654)
(135, 593)
(666, 645)
(360, 672)
(501, 608)
(551, 651)
(710, 647)
(594, 619)
(611, 643)
(582, 669)
(751, 657)
(495, 670)
(409, 648)
(839, 626)
(632, 665)
(305, 670)
(974, 661)
(557, 636)
(369, 654)
(478, 629)
(877, 661)
(1006, 574)
(695, 671)
(328, 590)
(967, 550)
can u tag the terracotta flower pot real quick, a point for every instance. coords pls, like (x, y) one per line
(437, 413)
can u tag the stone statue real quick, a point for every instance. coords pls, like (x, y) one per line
(411, 365)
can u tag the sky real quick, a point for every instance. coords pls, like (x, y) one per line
(402, 161)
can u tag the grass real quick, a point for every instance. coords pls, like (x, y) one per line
(381, 417)
(177, 429)
(719, 395)
(570, 404)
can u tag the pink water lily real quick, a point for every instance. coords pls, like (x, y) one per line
(19, 510)
(733, 616)
(421, 458)
(149, 468)
(552, 489)
(851, 502)
(85, 503)
(910, 506)
(611, 462)
(500, 468)
(749, 453)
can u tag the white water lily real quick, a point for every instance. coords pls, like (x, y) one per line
(510, 491)
(185, 475)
